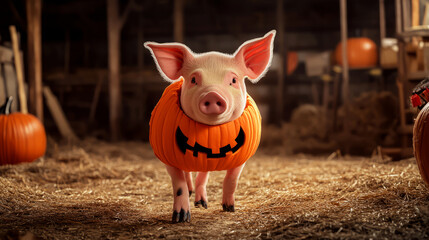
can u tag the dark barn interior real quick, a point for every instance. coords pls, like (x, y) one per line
(338, 106)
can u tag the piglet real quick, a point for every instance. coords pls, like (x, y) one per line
(211, 91)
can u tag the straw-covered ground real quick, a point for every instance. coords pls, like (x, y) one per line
(97, 190)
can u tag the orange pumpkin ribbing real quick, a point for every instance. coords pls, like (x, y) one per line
(361, 52)
(421, 143)
(22, 138)
(229, 145)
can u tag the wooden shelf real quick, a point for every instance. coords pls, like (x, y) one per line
(414, 33)
(420, 75)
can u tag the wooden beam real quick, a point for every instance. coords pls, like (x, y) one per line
(415, 15)
(382, 16)
(30, 57)
(281, 70)
(19, 70)
(38, 57)
(398, 9)
(406, 15)
(67, 53)
(402, 73)
(58, 115)
(140, 46)
(115, 23)
(114, 42)
(96, 97)
(343, 15)
(34, 40)
(178, 21)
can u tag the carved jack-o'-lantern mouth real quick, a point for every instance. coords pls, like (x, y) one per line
(182, 143)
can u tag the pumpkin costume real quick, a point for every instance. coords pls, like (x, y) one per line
(181, 142)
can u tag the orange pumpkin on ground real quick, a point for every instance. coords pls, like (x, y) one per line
(421, 142)
(181, 142)
(22, 136)
(361, 52)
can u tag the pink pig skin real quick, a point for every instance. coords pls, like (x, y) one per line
(213, 93)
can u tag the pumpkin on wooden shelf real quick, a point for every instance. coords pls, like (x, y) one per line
(361, 53)
(22, 136)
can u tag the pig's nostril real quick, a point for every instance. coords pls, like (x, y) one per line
(219, 104)
(206, 104)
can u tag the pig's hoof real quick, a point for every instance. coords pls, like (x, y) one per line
(181, 216)
(201, 203)
(190, 193)
(228, 208)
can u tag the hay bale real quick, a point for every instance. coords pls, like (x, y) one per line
(372, 119)
(308, 131)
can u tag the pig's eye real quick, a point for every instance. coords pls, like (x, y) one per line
(193, 81)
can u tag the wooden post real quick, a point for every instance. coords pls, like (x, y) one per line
(406, 15)
(114, 43)
(67, 53)
(140, 47)
(415, 16)
(343, 13)
(30, 57)
(382, 16)
(402, 73)
(178, 21)
(382, 21)
(281, 70)
(115, 23)
(34, 41)
(58, 115)
(19, 70)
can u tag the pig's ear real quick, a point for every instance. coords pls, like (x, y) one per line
(256, 56)
(169, 58)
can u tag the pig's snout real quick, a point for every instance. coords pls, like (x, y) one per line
(212, 104)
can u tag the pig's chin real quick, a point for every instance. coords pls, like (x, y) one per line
(213, 119)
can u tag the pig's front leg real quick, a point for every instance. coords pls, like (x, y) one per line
(188, 177)
(181, 209)
(230, 183)
(200, 189)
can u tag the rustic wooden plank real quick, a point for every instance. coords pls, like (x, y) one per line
(2, 83)
(67, 53)
(114, 43)
(58, 115)
(178, 21)
(406, 12)
(34, 41)
(282, 52)
(95, 99)
(19, 70)
(30, 57)
(382, 16)
(343, 16)
(140, 46)
(415, 13)
(38, 57)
